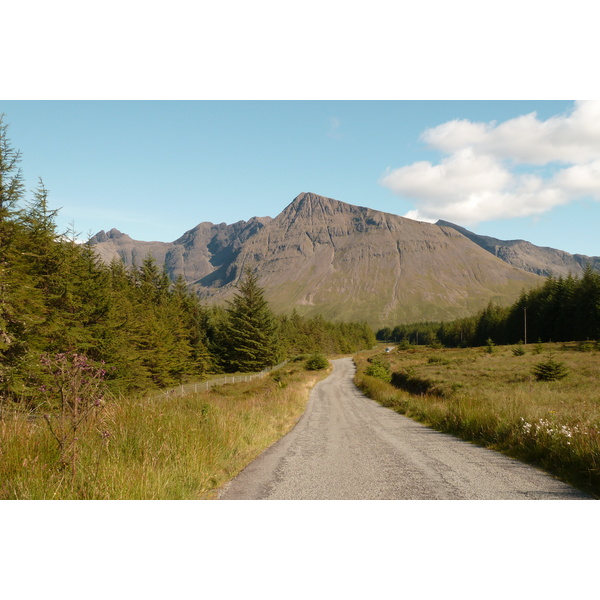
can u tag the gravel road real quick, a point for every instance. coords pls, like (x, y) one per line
(348, 447)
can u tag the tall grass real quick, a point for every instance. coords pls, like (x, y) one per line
(495, 400)
(157, 448)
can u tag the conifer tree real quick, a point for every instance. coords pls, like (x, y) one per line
(252, 329)
(14, 282)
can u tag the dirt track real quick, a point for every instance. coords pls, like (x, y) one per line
(347, 446)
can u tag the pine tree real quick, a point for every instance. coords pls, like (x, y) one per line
(252, 330)
(17, 304)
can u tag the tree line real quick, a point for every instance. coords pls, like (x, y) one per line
(562, 309)
(56, 297)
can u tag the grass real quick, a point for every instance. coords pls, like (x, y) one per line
(495, 400)
(154, 447)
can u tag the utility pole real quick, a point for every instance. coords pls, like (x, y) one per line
(525, 322)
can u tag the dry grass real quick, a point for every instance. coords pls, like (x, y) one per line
(494, 400)
(176, 448)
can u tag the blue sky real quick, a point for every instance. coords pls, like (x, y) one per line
(154, 169)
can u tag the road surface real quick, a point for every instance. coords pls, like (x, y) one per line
(347, 446)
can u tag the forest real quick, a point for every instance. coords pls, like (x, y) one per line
(563, 309)
(135, 326)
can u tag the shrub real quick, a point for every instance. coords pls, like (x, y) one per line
(519, 350)
(435, 344)
(550, 370)
(437, 360)
(379, 370)
(538, 348)
(317, 362)
(300, 358)
(587, 346)
(75, 392)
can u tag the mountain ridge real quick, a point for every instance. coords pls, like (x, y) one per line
(541, 260)
(346, 262)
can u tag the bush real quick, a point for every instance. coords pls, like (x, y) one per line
(587, 346)
(379, 370)
(317, 362)
(550, 370)
(435, 344)
(437, 360)
(519, 350)
(300, 358)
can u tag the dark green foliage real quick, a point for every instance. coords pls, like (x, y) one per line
(435, 343)
(308, 336)
(251, 331)
(550, 370)
(519, 350)
(379, 369)
(316, 362)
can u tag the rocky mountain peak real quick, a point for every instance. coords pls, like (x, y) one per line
(312, 205)
(103, 236)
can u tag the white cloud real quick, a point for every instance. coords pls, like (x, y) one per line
(455, 177)
(477, 182)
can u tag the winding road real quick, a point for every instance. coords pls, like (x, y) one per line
(348, 447)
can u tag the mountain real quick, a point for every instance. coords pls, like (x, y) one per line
(535, 259)
(323, 256)
(202, 254)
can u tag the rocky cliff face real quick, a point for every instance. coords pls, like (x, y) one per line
(202, 254)
(352, 263)
(525, 255)
(342, 261)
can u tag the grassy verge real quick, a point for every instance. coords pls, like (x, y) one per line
(153, 448)
(494, 399)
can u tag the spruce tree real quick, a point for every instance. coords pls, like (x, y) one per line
(18, 307)
(252, 330)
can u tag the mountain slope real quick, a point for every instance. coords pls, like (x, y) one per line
(346, 262)
(353, 263)
(525, 255)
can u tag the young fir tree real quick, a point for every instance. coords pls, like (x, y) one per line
(252, 330)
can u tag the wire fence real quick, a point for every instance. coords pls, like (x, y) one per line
(175, 392)
(204, 386)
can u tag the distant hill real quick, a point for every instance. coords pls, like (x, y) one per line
(535, 259)
(345, 262)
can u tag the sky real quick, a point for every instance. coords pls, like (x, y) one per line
(156, 168)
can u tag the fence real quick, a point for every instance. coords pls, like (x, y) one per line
(204, 386)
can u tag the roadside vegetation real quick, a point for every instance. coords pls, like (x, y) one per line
(151, 446)
(539, 403)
